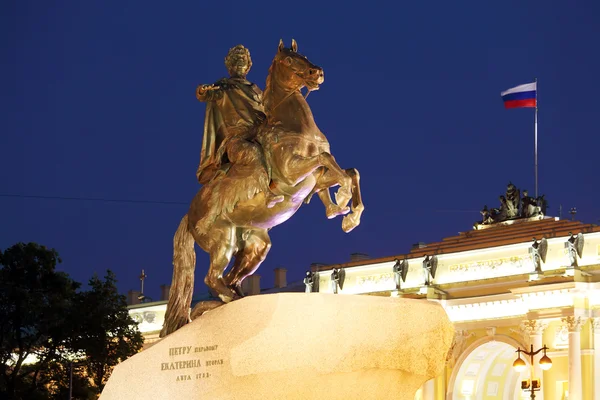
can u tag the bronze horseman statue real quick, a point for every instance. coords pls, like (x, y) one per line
(262, 157)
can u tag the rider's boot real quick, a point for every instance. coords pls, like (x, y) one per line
(333, 210)
(273, 199)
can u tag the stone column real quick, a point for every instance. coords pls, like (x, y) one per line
(574, 325)
(596, 366)
(429, 390)
(535, 328)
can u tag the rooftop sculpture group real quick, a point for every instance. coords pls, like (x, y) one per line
(513, 206)
(262, 157)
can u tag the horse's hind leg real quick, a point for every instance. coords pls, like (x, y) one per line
(352, 220)
(221, 247)
(253, 251)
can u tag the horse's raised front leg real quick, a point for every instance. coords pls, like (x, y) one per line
(352, 220)
(344, 193)
(295, 168)
(324, 182)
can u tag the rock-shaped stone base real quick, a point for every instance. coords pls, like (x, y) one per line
(294, 346)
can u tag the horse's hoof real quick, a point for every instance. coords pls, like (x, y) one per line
(203, 307)
(237, 289)
(333, 211)
(225, 299)
(350, 222)
(343, 196)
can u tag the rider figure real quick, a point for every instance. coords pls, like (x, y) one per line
(234, 111)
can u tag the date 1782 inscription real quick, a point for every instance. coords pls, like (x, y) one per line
(191, 363)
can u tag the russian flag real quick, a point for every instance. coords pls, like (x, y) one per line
(520, 96)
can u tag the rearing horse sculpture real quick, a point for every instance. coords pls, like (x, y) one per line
(301, 164)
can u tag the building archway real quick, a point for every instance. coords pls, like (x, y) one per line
(484, 371)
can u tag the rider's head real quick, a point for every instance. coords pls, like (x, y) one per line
(238, 61)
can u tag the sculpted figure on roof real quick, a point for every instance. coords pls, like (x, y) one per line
(513, 206)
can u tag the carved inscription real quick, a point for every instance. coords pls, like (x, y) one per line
(176, 351)
(180, 364)
(379, 279)
(201, 358)
(489, 265)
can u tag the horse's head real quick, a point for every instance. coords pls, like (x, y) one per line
(295, 70)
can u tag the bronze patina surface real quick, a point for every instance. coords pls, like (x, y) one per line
(514, 207)
(263, 156)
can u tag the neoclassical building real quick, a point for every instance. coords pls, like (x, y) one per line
(505, 285)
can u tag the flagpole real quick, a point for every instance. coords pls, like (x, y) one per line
(536, 141)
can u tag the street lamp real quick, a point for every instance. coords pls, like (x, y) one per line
(519, 365)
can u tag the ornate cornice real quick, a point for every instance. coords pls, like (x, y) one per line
(573, 324)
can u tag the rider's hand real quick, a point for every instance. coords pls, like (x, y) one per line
(203, 88)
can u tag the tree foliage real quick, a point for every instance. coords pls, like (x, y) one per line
(35, 304)
(108, 334)
(47, 322)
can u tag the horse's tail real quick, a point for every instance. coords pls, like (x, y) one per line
(182, 287)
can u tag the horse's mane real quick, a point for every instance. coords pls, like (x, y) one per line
(269, 85)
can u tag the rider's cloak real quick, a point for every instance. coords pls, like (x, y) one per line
(234, 109)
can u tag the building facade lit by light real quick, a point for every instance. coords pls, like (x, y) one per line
(498, 300)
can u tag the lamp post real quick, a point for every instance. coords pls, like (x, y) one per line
(519, 365)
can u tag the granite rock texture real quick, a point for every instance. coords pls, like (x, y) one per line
(294, 346)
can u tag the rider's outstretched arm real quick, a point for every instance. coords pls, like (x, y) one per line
(209, 93)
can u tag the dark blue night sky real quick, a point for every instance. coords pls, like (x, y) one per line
(97, 101)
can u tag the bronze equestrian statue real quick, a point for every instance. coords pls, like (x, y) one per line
(257, 169)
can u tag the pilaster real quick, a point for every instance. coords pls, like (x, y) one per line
(595, 322)
(574, 325)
